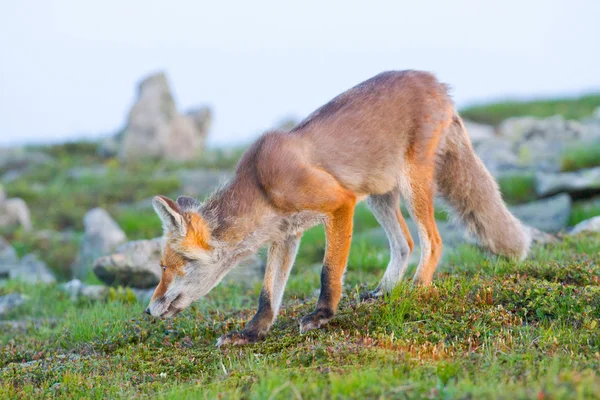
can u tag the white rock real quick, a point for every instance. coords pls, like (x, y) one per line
(589, 225)
(101, 236)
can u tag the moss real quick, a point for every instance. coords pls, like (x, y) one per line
(579, 156)
(570, 108)
(517, 188)
(584, 210)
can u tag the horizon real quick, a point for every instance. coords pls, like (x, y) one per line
(70, 70)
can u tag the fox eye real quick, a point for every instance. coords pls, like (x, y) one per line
(164, 267)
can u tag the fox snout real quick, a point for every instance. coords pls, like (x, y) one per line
(165, 308)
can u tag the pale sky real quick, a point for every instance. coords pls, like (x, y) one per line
(69, 69)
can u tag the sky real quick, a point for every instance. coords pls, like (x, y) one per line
(69, 69)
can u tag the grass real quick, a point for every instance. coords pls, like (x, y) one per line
(488, 328)
(496, 112)
(579, 156)
(517, 188)
(584, 210)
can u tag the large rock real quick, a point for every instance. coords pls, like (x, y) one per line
(9, 302)
(589, 225)
(101, 236)
(521, 129)
(29, 269)
(498, 156)
(582, 181)
(548, 215)
(539, 143)
(155, 129)
(135, 264)
(32, 270)
(13, 213)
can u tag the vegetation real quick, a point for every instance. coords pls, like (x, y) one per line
(582, 155)
(517, 188)
(496, 112)
(488, 328)
(583, 210)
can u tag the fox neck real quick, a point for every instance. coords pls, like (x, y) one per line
(239, 217)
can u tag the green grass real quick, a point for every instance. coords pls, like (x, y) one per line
(579, 156)
(517, 188)
(496, 112)
(584, 210)
(488, 328)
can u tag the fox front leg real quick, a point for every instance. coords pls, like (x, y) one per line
(279, 263)
(338, 230)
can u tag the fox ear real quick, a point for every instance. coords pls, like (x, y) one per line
(187, 203)
(170, 215)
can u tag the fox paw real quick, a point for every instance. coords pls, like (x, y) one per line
(237, 339)
(315, 320)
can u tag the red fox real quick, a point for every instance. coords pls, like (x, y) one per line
(394, 135)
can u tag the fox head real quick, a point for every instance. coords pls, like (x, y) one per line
(187, 270)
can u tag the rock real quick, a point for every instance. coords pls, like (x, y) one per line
(479, 132)
(201, 182)
(539, 143)
(8, 258)
(73, 287)
(18, 158)
(582, 181)
(135, 264)
(549, 215)
(29, 269)
(202, 118)
(498, 156)
(520, 129)
(78, 289)
(101, 236)
(11, 301)
(14, 212)
(156, 130)
(32, 270)
(589, 225)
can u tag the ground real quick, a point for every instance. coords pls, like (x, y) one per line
(486, 328)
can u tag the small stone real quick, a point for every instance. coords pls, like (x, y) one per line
(11, 301)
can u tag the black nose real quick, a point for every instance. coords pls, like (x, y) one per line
(148, 311)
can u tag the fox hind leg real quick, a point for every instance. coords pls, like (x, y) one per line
(418, 191)
(386, 209)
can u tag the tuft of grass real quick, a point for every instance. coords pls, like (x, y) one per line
(496, 112)
(579, 156)
(517, 188)
(583, 210)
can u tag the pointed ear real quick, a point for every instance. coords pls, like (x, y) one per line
(186, 203)
(170, 215)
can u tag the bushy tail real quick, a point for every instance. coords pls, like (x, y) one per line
(474, 195)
